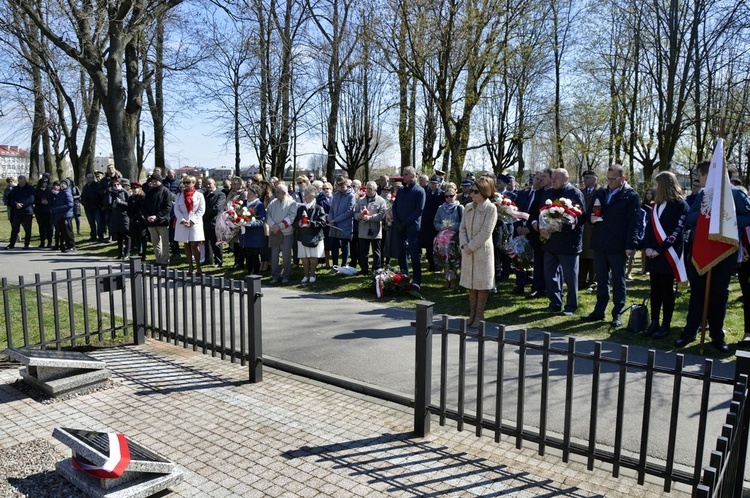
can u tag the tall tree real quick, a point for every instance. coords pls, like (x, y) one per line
(114, 70)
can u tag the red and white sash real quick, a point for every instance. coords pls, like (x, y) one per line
(676, 262)
(118, 461)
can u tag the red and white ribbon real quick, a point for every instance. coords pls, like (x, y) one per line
(117, 462)
(676, 262)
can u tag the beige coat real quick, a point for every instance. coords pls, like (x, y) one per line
(478, 268)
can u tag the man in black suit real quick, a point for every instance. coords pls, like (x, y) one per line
(586, 275)
(614, 238)
(542, 182)
(561, 249)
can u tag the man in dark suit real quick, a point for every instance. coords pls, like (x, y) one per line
(613, 239)
(586, 275)
(542, 182)
(216, 201)
(524, 201)
(561, 249)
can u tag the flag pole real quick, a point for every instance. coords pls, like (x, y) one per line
(704, 318)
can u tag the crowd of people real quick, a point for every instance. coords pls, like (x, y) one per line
(551, 236)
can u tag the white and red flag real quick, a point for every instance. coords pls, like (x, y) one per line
(716, 233)
(117, 461)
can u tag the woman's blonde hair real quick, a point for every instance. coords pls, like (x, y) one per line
(486, 186)
(450, 186)
(667, 188)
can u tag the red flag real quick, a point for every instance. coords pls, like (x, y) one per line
(716, 234)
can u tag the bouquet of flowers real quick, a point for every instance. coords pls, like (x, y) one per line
(507, 211)
(447, 252)
(554, 214)
(235, 218)
(521, 253)
(391, 282)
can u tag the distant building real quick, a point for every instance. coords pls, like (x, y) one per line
(190, 171)
(14, 161)
(221, 173)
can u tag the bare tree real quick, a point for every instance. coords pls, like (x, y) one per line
(115, 69)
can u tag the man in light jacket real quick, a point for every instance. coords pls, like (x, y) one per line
(370, 214)
(279, 216)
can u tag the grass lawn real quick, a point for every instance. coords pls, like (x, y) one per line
(503, 307)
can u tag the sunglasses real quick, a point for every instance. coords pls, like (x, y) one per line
(450, 196)
(187, 183)
(474, 191)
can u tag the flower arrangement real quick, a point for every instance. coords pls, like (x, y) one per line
(235, 218)
(554, 214)
(391, 282)
(521, 253)
(507, 211)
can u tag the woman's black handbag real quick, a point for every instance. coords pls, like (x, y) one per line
(638, 320)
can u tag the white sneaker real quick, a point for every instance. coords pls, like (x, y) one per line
(312, 279)
(305, 280)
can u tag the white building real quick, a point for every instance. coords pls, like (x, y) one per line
(14, 161)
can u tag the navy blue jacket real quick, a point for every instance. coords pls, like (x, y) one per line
(741, 207)
(23, 195)
(62, 209)
(408, 207)
(569, 240)
(622, 221)
(672, 220)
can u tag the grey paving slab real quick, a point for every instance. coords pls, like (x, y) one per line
(289, 437)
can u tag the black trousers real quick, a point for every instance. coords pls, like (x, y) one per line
(721, 274)
(65, 230)
(364, 248)
(662, 297)
(21, 219)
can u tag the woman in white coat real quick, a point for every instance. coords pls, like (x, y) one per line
(188, 209)
(477, 253)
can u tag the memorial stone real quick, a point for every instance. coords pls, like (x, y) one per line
(60, 372)
(147, 472)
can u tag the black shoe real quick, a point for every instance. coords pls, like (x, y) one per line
(720, 346)
(517, 291)
(593, 317)
(661, 332)
(8, 248)
(41, 246)
(26, 248)
(535, 295)
(553, 309)
(652, 328)
(616, 321)
(69, 249)
(684, 341)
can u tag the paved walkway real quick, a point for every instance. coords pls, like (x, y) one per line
(287, 436)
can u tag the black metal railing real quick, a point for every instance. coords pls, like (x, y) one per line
(602, 406)
(723, 477)
(71, 308)
(217, 316)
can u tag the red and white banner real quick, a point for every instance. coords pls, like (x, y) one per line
(676, 262)
(716, 233)
(117, 462)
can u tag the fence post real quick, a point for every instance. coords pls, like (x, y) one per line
(254, 329)
(742, 367)
(138, 299)
(423, 369)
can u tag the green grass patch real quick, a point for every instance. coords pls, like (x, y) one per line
(31, 319)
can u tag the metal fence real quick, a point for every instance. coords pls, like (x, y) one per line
(555, 394)
(218, 316)
(71, 308)
(723, 476)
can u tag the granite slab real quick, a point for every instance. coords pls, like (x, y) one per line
(93, 447)
(55, 359)
(137, 487)
(68, 384)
